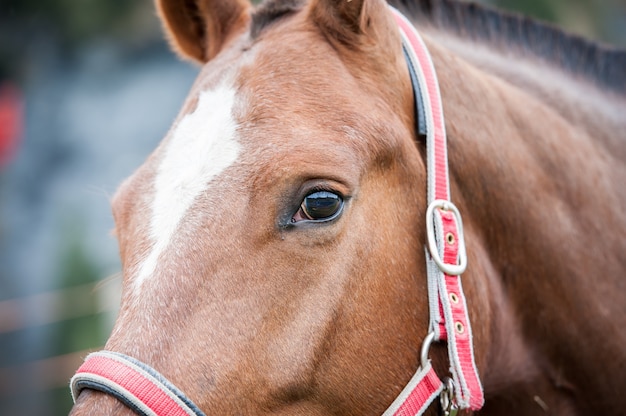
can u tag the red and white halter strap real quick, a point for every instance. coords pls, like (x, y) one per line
(137, 385)
(148, 393)
(445, 254)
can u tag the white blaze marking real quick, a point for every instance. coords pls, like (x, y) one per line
(202, 145)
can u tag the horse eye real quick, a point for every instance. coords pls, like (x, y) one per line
(319, 206)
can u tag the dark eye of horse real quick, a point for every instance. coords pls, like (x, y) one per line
(321, 206)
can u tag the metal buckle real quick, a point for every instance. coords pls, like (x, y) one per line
(450, 269)
(447, 400)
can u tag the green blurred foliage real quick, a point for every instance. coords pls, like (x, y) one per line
(545, 10)
(603, 21)
(64, 27)
(76, 268)
(73, 20)
(79, 334)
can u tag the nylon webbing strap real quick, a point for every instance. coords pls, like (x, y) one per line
(418, 394)
(137, 385)
(445, 253)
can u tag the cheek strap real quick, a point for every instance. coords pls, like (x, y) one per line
(445, 253)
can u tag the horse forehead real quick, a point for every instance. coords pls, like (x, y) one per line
(192, 159)
(190, 163)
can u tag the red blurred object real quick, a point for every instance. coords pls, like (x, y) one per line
(11, 121)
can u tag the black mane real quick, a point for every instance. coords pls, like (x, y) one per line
(270, 11)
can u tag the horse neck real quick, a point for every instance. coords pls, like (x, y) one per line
(537, 174)
(577, 99)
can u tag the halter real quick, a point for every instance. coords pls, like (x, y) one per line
(445, 255)
(148, 393)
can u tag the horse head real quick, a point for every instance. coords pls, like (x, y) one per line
(272, 245)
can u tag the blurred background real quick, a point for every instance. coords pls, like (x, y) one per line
(87, 90)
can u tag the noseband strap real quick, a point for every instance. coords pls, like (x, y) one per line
(134, 383)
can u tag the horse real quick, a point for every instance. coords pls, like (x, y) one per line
(272, 245)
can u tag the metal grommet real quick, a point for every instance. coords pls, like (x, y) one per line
(459, 327)
(454, 298)
(450, 239)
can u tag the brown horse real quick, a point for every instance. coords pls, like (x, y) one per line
(273, 244)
